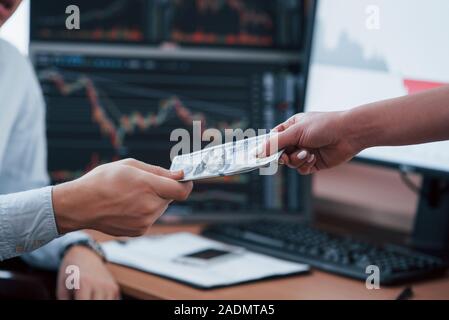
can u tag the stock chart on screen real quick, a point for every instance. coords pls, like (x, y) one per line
(108, 99)
(231, 23)
(102, 20)
(101, 109)
(235, 22)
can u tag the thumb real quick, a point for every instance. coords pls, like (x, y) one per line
(169, 189)
(156, 170)
(280, 141)
(159, 171)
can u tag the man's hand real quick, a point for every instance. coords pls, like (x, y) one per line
(313, 141)
(122, 198)
(96, 283)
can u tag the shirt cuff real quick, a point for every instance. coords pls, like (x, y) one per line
(27, 221)
(49, 256)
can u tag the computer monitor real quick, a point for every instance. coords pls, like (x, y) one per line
(369, 50)
(138, 69)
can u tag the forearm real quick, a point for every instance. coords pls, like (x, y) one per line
(413, 119)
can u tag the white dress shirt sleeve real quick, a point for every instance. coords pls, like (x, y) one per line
(27, 219)
(49, 256)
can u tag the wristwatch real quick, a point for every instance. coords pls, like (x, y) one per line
(88, 243)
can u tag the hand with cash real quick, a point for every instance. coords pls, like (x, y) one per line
(227, 159)
(315, 141)
(306, 142)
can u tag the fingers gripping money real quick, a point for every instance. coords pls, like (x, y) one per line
(227, 159)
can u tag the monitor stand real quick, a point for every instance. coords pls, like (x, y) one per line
(431, 228)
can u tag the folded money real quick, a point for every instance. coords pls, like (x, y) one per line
(227, 159)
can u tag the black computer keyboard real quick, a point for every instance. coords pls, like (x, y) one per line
(334, 253)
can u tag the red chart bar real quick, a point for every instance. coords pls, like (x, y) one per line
(415, 86)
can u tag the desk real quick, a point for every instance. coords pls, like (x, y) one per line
(316, 285)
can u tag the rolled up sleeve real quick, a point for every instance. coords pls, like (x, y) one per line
(27, 221)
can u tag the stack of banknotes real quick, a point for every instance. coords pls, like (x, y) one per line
(225, 160)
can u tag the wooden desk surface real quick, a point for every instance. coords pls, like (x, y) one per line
(315, 285)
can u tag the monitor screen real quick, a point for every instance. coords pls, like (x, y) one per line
(102, 108)
(212, 23)
(369, 50)
(108, 98)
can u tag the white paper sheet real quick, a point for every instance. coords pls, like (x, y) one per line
(157, 254)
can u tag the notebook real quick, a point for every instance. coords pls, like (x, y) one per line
(160, 255)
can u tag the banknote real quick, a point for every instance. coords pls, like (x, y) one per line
(224, 160)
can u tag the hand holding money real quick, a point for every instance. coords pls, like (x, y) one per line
(316, 141)
(225, 160)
